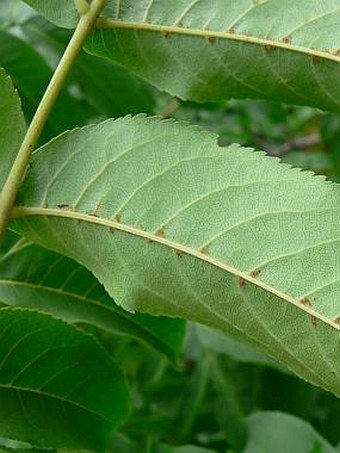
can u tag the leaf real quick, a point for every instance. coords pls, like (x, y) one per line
(223, 344)
(33, 277)
(13, 12)
(316, 161)
(122, 92)
(61, 12)
(31, 75)
(184, 449)
(274, 49)
(279, 432)
(58, 387)
(12, 125)
(172, 224)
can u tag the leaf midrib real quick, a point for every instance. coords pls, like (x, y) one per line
(49, 212)
(170, 29)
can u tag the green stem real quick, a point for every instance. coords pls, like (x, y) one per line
(16, 175)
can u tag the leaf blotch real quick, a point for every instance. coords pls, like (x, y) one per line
(118, 218)
(313, 320)
(307, 301)
(337, 320)
(160, 232)
(255, 273)
(316, 59)
(241, 282)
(286, 40)
(179, 253)
(204, 250)
(212, 39)
(111, 230)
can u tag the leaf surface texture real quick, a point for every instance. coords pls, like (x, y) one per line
(34, 277)
(172, 224)
(58, 387)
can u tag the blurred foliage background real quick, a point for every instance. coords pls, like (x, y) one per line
(221, 396)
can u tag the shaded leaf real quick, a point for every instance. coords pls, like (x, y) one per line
(109, 88)
(12, 125)
(172, 224)
(279, 432)
(31, 75)
(34, 277)
(58, 381)
(14, 12)
(223, 344)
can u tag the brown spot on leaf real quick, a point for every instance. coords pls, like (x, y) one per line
(204, 250)
(179, 253)
(111, 230)
(241, 282)
(211, 39)
(316, 59)
(160, 232)
(231, 30)
(286, 39)
(268, 47)
(337, 320)
(255, 273)
(166, 34)
(313, 320)
(118, 218)
(63, 206)
(307, 301)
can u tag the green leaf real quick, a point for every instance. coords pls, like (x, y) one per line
(223, 344)
(31, 75)
(13, 12)
(109, 88)
(317, 161)
(273, 49)
(58, 387)
(172, 224)
(12, 125)
(33, 277)
(184, 449)
(61, 12)
(278, 432)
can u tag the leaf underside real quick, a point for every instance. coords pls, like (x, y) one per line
(34, 277)
(172, 224)
(204, 51)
